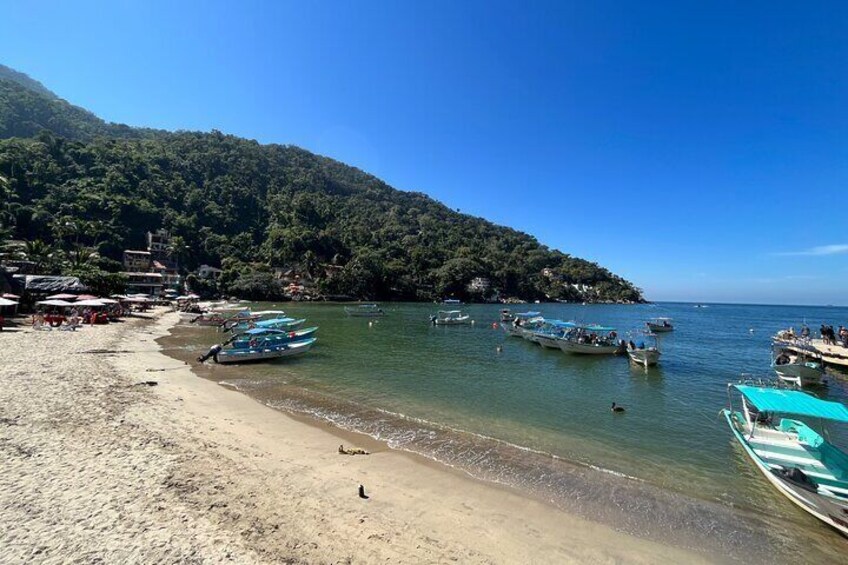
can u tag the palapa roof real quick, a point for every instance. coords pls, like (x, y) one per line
(51, 284)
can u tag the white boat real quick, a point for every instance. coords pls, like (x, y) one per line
(266, 353)
(522, 323)
(507, 315)
(797, 363)
(591, 340)
(660, 325)
(796, 459)
(551, 332)
(364, 311)
(450, 318)
(646, 352)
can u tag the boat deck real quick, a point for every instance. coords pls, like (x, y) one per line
(831, 354)
(783, 450)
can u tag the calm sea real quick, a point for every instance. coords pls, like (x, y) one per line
(539, 420)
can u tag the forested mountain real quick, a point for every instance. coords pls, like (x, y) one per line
(80, 183)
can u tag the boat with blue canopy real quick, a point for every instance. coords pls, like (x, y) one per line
(272, 323)
(523, 323)
(264, 352)
(268, 336)
(795, 458)
(551, 332)
(591, 339)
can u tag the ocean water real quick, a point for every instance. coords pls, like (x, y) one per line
(539, 420)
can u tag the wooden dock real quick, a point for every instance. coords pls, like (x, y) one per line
(835, 355)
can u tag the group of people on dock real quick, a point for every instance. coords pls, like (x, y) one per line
(831, 337)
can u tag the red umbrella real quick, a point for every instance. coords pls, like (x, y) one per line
(62, 297)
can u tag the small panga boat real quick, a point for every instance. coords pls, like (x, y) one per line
(795, 458)
(522, 323)
(591, 340)
(364, 311)
(450, 318)
(797, 363)
(660, 325)
(265, 352)
(646, 352)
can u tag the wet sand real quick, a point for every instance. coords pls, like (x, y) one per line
(99, 467)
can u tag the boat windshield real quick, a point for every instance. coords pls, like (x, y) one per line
(793, 402)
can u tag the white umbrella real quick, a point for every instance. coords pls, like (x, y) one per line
(7, 302)
(107, 300)
(92, 302)
(53, 303)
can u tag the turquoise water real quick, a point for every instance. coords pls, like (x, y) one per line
(539, 420)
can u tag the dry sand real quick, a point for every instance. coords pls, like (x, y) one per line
(99, 469)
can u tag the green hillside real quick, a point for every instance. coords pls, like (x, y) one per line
(94, 189)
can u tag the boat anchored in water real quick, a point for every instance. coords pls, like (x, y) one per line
(660, 325)
(591, 340)
(267, 336)
(523, 323)
(646, 352)
(807, 469)
(450, 318)
(797, 363)
(551, 332)
(364, 311)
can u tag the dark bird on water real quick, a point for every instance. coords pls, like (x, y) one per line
(362, 492)
(617, 409)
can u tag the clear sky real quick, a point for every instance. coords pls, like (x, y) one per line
(699, 149)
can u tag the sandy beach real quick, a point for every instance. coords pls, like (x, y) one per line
(98, 466)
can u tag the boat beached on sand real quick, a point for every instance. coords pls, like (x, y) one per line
(262, 352)
(450, 318)
(800, 463)
(268, 336)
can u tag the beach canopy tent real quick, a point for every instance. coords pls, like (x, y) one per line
(62, 296)
(7, 302)
(55, 302)
(49, 284)
(793, 402)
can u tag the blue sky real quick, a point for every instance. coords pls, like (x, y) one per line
(699, 149)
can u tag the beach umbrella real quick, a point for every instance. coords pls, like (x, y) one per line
(10, 296)
(107, 300)
(62, 297)
(7, 302)
(86, 297)
(54, 302)
(92, 302)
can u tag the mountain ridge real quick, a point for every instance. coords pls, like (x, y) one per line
(251, 207)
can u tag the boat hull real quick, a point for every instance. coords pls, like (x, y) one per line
(265, 354)
(644, 357)
(659, 328)
(801, 374)
(547, 341)
(277, 339)
(588, 349)
(454, 322)
(831, 512)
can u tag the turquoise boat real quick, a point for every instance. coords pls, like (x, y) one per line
(807, 469)
(551, 331)
(287, 324)
(263, 353)
(258, 337)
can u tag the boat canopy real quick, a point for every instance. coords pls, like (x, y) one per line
(597, 328)
(529, 314)
(450, 312)
(561, 324)
(260, 331)
(273, 321)
(269, 313)
(793, 402)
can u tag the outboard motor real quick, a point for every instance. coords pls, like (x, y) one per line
(213, 353)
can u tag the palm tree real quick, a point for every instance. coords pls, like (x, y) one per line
(80, 258)
(40, 253)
